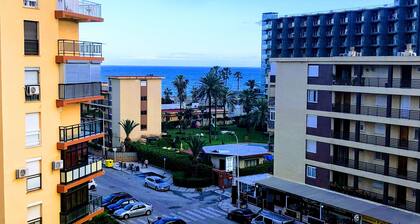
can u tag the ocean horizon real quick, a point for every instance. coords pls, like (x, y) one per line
(193, 74)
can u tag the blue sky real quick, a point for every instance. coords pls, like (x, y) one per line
(193, 32)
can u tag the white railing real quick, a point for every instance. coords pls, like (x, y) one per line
(80, 6)
(75, 174)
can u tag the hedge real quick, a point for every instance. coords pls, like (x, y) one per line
(266, 167)
(181, 180)
(103, 218)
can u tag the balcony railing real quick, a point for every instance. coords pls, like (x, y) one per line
(79, 48)
(78, 131)
(379, 82)
(373, 196)
(378, 140)
(78, 173)
(79, 90)
(82, 7)
(376, 168)
(377, 111)
(31, 47)
(91, 207)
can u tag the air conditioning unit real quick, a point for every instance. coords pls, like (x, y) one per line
(21, 173)
(57, 165)
(32, 90)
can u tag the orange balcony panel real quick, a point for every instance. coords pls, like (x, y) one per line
(63, 188)
(64, 102)
(65, 145)
(77, 17)
(65, 59)
(89, 216)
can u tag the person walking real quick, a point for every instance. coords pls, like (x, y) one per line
(146, 163)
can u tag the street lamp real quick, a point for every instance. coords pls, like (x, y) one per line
(320, 211)
(164, 164)
(237, 162)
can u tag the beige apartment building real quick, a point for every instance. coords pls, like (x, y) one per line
(349, 125)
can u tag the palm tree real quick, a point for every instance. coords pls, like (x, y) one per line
(209, 88)
(247, 100)
(251, 84)
(225, 73)
(259, 114)
(128, 126)
(167, 93)
(181, 84)
(196, 146)
(238, 77)
(228, 99)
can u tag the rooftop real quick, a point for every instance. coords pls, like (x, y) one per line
(334, 199)
(368, 60)
(252, 179)
(247, 149)
(139, 77)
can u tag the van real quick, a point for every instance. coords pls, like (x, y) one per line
(267, 217)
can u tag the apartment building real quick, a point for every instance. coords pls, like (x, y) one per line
(45, 169)
(373, 31)
(348, 125)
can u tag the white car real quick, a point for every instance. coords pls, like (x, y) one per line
(132, 210)
(157, 183)
(92, 185)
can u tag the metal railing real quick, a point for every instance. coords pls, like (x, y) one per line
(83, 7)
(31, 47)
(33, 182)
(378, 82)
(376, 168)
(35, 221)
(373, 196)
(78, 131)
(377, 111)
(377, 140)
(80, 172)
(79, 48)
(92, 206)
(79, 90)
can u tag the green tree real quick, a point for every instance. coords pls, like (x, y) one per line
(181, 84)
(247, 100)
(238, 77)
(209, 87)
(259, 114)
(167, 93)
(225, 73)
(252, 85)
(228, 99)
(128, 127)
(196, 146)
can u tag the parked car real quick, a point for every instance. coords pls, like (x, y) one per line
(92, 184)
(120, 204)
(241, 215)
(112, 198)
(271, 217)
(169, 220)
(132, 210)
(157, 183)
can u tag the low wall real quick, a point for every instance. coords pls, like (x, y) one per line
(123, 156)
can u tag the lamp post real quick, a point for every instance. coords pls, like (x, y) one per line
(164, 164)
(320, 211)
(237, 163)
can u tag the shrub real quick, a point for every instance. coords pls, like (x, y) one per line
(103, 218)
(266, 167)
(181, 180)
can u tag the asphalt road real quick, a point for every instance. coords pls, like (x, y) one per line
(191, 207)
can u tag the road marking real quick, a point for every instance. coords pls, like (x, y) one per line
(208, 210)
(185, 217)
(217, 211)
(205, 213)
(195, 215)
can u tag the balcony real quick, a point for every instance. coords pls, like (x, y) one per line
(71, 50)
(379, 82)
(83, 213)
(78, 93)
(75, 134)
(376, 168)
(377, 140)
(79, 11)
(377, 111)
(77, 176)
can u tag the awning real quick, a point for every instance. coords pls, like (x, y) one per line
(334, 199)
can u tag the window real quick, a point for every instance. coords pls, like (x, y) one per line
(33, 178)
(31, 38)
(272, 115)
(144, 98)
(381, 101)
(30, 3)
(313, 70)
(378, 185)
(380, 129)
(144, 112)
(251, 162)
(311, 146)
(143, 127)
(32, 88)
(143, 83)
(311, 172)
(416, 134)
(362, 126)
(34, 214)
(32, 130)
(312, 96)
(311, 121)
(379, 156)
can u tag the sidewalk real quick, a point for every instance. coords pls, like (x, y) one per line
(227, 206)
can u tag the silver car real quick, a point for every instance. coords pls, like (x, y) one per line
(132, 210)
(157, 183)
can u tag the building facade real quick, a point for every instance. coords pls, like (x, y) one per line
(42, 85)
(352, 127)
(377, 31)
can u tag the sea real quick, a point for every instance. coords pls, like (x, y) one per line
(193, 74)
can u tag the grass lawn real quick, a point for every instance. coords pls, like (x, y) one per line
(243, 136)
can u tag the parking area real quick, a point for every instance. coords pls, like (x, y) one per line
(189, 205)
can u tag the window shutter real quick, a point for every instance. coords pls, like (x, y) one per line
(34, 167)
(34, 212)
(31, 30)
(31, 77)
(313, 70)
(311, 121)
(311, 146)
(32, 122)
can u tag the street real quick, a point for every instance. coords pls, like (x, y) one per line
(189, 206)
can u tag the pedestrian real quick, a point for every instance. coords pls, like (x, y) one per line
(146, 163)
